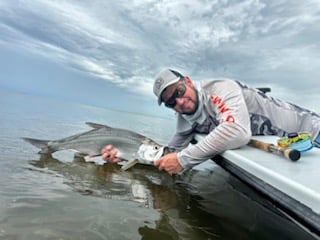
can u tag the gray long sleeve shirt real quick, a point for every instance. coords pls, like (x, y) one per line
(231, 114)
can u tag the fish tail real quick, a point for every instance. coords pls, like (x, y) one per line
(42, 144)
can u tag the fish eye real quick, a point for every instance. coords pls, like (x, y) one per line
(156, 147)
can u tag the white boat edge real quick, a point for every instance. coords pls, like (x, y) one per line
(294, 186)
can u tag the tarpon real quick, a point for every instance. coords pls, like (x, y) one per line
(132, 147)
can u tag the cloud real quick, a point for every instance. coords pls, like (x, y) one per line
(127, 43)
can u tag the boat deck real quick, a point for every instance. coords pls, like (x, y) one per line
(293, 186)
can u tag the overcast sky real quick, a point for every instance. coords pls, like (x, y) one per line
(107, 53)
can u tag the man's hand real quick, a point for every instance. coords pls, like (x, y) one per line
(169, 163)
(109, 154)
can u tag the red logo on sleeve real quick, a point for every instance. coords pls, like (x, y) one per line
(222, 108)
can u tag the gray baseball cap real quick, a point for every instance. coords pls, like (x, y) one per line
(164, 79)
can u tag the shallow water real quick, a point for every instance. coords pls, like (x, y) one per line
(61, 197)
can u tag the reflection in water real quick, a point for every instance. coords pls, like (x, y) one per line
(143, 184)
(206, 204)
(106, 180)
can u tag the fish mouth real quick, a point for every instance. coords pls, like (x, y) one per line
(165, 151)
(146, 160)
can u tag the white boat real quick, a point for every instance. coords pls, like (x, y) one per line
(294, 187)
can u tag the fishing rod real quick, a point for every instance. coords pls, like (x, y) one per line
(291, 154)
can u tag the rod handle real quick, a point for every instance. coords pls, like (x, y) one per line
(291, 154)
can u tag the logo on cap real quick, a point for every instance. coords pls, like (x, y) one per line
(158, 83)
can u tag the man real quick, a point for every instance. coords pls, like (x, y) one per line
(227, 111)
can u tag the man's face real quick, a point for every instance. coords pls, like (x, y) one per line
(181, 96)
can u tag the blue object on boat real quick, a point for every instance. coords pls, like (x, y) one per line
(302, 145)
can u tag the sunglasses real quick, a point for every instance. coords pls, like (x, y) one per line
(178, 93)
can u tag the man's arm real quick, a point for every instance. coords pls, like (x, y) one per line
(180, 140)
(228, 105)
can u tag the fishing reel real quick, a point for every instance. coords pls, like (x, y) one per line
(300, 141)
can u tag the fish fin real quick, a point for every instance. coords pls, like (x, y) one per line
(97, 125)
(79, 159)
(80, 154)
(42, 144)
(129, 164)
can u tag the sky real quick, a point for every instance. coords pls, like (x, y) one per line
(107, 53)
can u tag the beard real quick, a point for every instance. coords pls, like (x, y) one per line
(195, 102)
